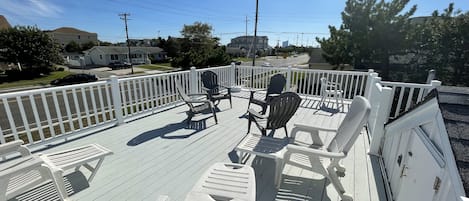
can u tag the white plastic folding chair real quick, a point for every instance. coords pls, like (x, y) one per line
(17, 175)
(312, 157)
(225, 181)
(331, 90)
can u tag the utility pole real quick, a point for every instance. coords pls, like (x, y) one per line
(246, 36)
(124, 17)
(255, 44)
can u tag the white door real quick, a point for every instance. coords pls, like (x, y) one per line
(422, 167)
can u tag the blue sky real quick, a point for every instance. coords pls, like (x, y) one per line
(298, 21)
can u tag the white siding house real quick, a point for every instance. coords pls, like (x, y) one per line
(104, 55)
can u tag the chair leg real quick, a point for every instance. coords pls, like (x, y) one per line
(286, 132)
(249, 123)
(214, 115)
(332, 176)
(231, 104)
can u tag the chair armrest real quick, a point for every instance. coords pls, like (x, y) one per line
(308, 128)
(309, 151)
(15, 146)
(256, 114)
(197, 94)
(198, 101)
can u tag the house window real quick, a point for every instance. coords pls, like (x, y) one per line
(78, 36)
(114, 57)
(100, 56)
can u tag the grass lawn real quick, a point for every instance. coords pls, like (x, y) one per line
(42, 81)
(160, 66)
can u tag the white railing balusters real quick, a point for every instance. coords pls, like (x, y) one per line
(67, 109)
(85, 105)
(58, 112)
(36, 116)
(2, 137)
(24, 118)
(93, 104)
(101, 104)
(117, 114)
(123, 97)
(77, 109)
(46, 110)
(10, 118)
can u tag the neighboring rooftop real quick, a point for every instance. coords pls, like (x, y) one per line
(69, 30)
(4, 23)
(454, 105)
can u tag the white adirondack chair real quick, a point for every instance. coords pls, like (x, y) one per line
(25, 172)
(330, 89)
(346, 135)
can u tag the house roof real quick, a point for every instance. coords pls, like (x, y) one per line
(124, 50)
(70, 30)
(454, 105)
(4, 23)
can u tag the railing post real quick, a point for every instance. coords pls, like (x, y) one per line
(430, 76)
(232, 74)
(384, 109)
(370, 81)
(434, 84)
(116, 99)
(288, 84)
(193, 81)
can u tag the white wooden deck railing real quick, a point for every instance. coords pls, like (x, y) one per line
(405, 95)
(42, 114)
(304, 81)
(38, 116)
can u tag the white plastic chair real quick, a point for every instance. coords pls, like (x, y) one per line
(338, 148)
(330, 89)
(225, 181)
(25, 172)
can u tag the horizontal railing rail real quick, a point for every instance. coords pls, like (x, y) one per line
(40, 115)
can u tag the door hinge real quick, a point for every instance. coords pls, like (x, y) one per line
(436, 184)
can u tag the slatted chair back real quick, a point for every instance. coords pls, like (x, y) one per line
(210, 81)
(282, 109)
(276, 84)
(184, 96)
(351, 126)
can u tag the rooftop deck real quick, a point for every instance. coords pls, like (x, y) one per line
(162, 155)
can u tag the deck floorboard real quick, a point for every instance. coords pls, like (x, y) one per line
(162, 155)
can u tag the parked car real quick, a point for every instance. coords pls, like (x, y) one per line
(119, 65)
(74, 79)
(236, 62)
(266, 64)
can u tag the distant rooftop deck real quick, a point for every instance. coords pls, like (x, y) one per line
(162, 155)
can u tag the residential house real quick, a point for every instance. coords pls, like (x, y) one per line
(4, 23)
(65, 35)
(245, 45)
(104, 55)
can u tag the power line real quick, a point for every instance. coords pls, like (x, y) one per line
(124, 17)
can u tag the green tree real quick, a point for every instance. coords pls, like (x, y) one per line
(443, 43)
(370, 33)
(336, 48)
(198, 48)
(72, 46)
(87, 46)
(30, 46)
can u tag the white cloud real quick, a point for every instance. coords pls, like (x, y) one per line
(32, 8)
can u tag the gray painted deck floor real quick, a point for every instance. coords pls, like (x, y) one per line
(162, 155)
